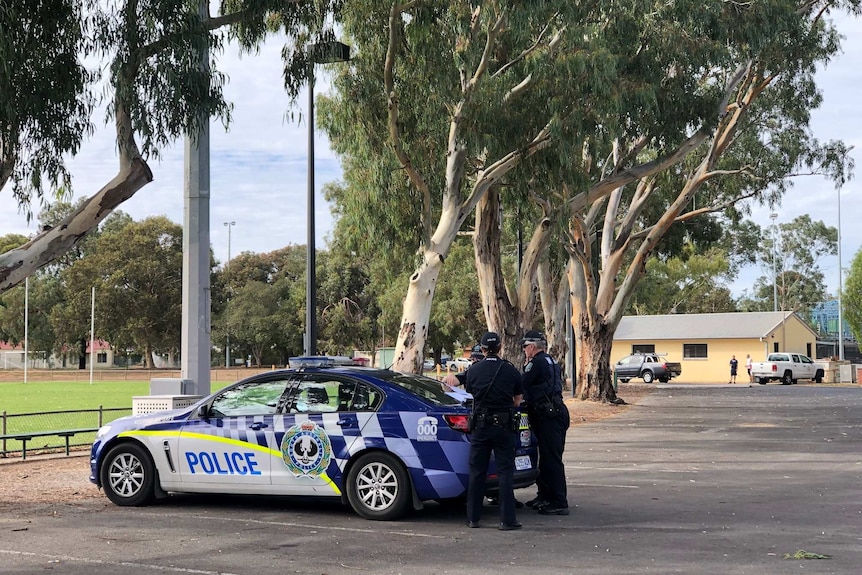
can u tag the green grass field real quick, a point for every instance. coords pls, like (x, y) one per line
(18, 398)
(32, 397)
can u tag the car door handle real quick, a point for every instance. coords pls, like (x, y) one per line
(345, 422)
(258, 425)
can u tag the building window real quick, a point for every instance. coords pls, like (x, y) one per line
(102, 357)
(643, 348)
(694, 351)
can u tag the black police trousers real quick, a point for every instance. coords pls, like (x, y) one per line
(551, 435)
(483, 441)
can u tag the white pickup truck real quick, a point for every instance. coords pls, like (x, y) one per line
(786, 367)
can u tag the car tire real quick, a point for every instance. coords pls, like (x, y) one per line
(624, 379)
(647, 376)
(818, 377)
(378, 487)
(663, 380)
(128, 475)
(762, 380)
(787, 378)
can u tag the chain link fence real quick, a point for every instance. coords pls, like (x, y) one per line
(54, 421)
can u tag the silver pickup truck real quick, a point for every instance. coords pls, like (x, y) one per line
(786, 367)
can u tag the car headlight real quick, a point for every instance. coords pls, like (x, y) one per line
(103, 431)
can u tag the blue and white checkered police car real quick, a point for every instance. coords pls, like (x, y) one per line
(379, 440)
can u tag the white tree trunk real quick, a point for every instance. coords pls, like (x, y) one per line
(416, 314)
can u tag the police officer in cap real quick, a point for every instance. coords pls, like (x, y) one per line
(497, 391)
(549, 420)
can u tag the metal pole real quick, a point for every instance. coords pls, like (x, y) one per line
(26, 324)
(773, 216)
(195, 345)
(840, 288)
(227, 307)
(92, 331)
(310, 270)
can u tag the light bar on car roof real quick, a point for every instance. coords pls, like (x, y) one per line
(310, 361)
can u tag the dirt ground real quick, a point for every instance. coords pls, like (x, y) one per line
(60, 479)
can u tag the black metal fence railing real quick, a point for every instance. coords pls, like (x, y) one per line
(44, 424)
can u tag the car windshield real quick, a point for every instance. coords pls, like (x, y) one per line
(424, 387)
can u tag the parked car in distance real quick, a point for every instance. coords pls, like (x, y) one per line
(787, 368)
(647, 366)
(459, 363)
(379, 441)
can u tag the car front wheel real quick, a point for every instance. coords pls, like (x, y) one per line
(128, 475)
(378, 487)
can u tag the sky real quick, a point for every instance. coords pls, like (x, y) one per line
(258, 170)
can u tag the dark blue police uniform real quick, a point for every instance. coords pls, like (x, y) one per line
(494, 382)
(549, 420)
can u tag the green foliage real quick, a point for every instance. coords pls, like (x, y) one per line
(136, 270)
(852, 296)
(46, 98)
(799, 247)
(688, 283)
(803, 554)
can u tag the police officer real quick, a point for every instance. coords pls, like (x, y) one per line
(496, 387)
(549, 420)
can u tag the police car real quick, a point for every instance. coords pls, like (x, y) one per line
(381, 441)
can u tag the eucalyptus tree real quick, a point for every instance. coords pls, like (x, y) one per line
(625, 114)
(161, 81)
(756, 72)
(852, 300)
(444, 101)
(792, 263)
(136, 271)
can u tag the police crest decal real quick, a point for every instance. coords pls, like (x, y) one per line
(305, 449)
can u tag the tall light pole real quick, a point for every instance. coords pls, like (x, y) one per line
(321, 53)
(229, 225)
(773, 216)
(840, 288)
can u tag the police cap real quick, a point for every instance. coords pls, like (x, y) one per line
(533, 336)
(491, 340)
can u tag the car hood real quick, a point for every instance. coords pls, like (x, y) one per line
(133, 422)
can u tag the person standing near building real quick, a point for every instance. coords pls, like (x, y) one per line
(497, 390)
(549, 420)
(734, 364)
(748, 363)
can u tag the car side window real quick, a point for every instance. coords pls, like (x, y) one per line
(250, 398)
(795, 358)
(357, 396)
(805, 359)
(322, 393)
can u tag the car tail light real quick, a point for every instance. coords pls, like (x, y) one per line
(774, 367)
(458, 422)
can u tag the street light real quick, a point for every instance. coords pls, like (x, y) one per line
(321, 53)
(229, 226)
(840, 288)
(773, 216)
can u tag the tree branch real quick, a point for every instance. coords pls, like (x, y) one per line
(394, 133)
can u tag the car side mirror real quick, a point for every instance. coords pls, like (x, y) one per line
(203, 411)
